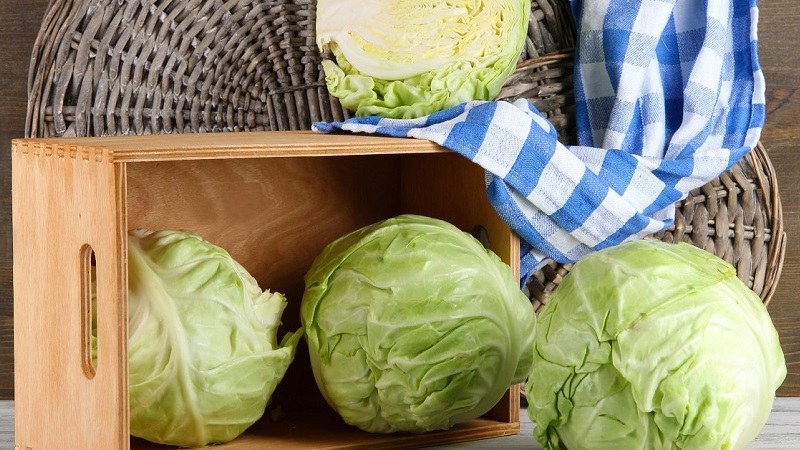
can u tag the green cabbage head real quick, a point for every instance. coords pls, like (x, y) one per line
(203, 355)
(414, 326)
(650, 345)
(410, 58)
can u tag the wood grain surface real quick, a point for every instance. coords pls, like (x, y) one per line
(780, 59)
(19, 24)
(55, 244)
(779, 56)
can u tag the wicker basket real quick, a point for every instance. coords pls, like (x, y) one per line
(113, 67)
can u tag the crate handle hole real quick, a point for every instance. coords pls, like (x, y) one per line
(89, 337)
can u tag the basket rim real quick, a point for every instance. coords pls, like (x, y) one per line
(777, 245)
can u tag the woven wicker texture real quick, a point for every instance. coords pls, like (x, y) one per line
(103, 67)
(114, 67)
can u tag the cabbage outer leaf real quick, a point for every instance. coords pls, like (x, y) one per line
(414, 326)
(203, 353)
(649, 345)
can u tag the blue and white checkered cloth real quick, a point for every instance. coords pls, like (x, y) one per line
(669, 94)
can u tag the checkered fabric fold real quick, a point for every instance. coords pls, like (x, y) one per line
(669, 94)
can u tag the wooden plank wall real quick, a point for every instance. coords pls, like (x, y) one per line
(780, 58)
(19, 24)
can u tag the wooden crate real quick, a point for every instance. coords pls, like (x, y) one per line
(272, 199)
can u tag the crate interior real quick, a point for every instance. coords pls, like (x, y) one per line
(275, 214)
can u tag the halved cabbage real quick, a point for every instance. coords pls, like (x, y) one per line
(410, 58)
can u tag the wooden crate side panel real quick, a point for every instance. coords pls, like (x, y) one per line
(273, 215)
(65, 202)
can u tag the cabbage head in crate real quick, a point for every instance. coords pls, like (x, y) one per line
(650, 345)
(414, 326)
(203, 354)
(409, 58)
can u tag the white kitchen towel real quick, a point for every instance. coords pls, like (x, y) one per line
(669, 94)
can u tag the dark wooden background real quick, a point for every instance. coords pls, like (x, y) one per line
(780, 58)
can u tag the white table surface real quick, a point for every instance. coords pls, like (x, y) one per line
(782, 431)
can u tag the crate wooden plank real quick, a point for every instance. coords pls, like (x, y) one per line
(190, 146)
(62, 207)
(319, 430)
